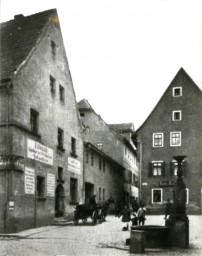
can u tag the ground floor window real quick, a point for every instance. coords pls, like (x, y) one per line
(40, 186)
(100, 194)
(157, 195)
(103, 194)
(73, 190)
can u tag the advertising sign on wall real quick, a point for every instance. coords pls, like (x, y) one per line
(74, 165)
(29, 181)
(39, 152)
(50, 184)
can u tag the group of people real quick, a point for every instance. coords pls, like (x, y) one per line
(136, 214)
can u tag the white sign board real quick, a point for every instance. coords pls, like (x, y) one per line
(29, 181)
(50, 184)
(39, 152)
(74, 165)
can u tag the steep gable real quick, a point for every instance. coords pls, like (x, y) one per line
(182, 79)
(18, 37)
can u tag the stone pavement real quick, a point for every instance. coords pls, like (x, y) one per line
(83, 240)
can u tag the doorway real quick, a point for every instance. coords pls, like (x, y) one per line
(89, 191)
(59, 201)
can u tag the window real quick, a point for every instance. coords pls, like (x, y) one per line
(86, 157)
(157, 139)
(99, 145)
(100, 194)
(157, 168)
(73, 191)
(175, 139)
(187, 195)
(100, 163)
(60, 173)
(177, 91)
(103, 166)
(60, 138)
(40, 186)
(62, 93)
(175, 168)
(52, 85)
(103, 194)
(157, 196)
(34, 121)
(73, 146)
(177, 116)
(92, 159)
(82, 114)
(53, 48)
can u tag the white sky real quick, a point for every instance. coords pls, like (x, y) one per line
(123, 54)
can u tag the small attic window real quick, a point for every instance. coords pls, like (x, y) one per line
(177, 91)
(82, 114)
(53, 48)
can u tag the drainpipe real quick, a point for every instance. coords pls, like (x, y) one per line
(140, 171)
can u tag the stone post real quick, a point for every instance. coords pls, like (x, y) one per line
(178, 221)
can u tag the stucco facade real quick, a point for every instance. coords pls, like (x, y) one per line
(173, 128)
(38, 184)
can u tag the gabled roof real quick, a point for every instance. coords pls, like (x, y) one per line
(180, 74)
(18, 37)
(122, 127)
(84, 105)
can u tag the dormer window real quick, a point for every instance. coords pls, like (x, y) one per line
(177, 91)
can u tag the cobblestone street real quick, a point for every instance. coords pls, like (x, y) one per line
(102, 239)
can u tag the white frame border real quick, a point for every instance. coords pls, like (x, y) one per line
(180, 91)
(171, 139)
(162, 140)
(161, 196)
(173, 115)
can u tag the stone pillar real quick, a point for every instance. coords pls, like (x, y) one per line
(137, 241)
(178, 222)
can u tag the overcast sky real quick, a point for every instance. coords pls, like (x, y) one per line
(123, 54)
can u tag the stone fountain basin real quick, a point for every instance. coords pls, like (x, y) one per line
(155, 236)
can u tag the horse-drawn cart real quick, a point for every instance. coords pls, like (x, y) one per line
(83, 212)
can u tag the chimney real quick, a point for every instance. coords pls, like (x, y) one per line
(19, 17)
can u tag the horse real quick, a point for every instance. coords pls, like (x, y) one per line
(104, 209)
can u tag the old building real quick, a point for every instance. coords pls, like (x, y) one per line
(114, 144)
(173, 128)
(103, 176)
(41, 149)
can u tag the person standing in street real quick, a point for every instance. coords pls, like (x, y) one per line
(168, 208)
(141, 215)
(126, 217)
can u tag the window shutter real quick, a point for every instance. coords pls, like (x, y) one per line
(150, 170)
(171, 169)
(185, 168)
(163, 169)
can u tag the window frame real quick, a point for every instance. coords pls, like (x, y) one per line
(174, 88)
(173, 115)
(73, 146)
(35, 127)
(160, 162)
(62, 93)
(187, 195)
(52, 83)
(162, 144)
(61, 140)
(152, 196)
(171, 138)
(43, 184)
(53, 48)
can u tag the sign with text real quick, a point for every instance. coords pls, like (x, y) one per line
(29, 181)
(50, 184)
(74, 165)
(39, 152)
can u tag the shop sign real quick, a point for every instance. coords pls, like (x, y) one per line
(29, 181)
(74, 165)
(12, 162)
(50, 185)
(39, 152)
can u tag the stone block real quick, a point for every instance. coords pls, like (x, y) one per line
(137, 241)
